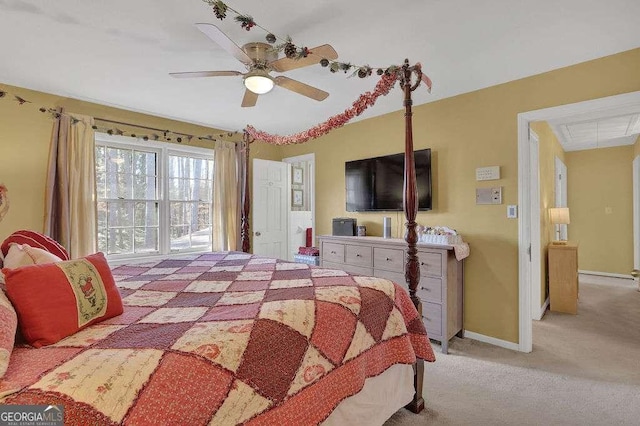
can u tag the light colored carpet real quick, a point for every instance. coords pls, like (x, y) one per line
(584, 370)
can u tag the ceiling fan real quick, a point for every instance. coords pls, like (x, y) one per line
(260, 59)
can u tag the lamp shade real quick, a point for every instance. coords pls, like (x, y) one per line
(559, 215)
(259, 82)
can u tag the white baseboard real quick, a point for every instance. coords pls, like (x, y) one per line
(491, 340)
(595, 277)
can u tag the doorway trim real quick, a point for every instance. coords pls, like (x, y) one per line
(525, 164)
(561, 198)
(536, 261)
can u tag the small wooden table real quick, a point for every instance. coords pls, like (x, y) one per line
(563, 277)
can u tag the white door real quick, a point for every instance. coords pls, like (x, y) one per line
(636, 217)
(270, 208)
(561, 192)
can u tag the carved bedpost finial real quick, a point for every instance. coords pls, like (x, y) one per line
(410, 204)
(410, 201)
(246, 202)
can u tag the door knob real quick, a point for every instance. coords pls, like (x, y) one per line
(257, 234)
(635, 273)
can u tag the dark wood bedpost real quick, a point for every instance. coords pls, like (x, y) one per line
(410, 204)
(246, 202)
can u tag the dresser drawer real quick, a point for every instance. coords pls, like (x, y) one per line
(396, 277)
(432, 319)
(389, 259)
(330, 265)
(333, 252)
(358, 270)
(358, 255)
(430, 288)
(430, 264)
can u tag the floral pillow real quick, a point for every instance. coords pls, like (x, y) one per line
(8, 325)
(55, 300)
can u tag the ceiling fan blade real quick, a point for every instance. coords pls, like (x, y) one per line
(204, 74)
(315, 55)
(301, 88)
(249, 99)
(221, 39)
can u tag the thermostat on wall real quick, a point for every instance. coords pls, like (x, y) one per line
(488, 173)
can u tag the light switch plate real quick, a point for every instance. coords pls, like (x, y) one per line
(489, 195)
(488, 173)
(512, 211)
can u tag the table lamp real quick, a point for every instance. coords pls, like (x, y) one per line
(559, 216)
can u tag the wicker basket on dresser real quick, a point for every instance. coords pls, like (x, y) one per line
(441, 276)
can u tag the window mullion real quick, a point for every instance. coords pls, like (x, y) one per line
(164, 201)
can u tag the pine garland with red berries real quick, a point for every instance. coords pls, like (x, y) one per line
(294, 51)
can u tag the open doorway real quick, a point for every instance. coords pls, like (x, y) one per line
(301, 212)
(529, 231)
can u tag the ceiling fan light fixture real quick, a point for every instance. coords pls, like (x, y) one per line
(259, 82)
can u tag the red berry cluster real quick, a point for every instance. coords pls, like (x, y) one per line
(247, 25)
(246, 21)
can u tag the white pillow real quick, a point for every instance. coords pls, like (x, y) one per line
(23, 255)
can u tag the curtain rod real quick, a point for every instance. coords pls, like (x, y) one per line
(105, 120)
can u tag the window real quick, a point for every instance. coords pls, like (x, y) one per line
(190, 190)
(153, 198)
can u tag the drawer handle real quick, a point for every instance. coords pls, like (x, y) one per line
(427, 318)
(388, 259)
(333, 252)
(423, 264)
(425, 288)
(358, 255)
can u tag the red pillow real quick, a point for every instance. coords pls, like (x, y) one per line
(35, 239)
(55, 300)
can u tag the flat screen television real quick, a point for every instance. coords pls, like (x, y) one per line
(376, 184)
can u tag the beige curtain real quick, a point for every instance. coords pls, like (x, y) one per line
(70, 207)
(226, 197)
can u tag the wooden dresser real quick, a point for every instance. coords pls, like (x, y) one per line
(441, 276)
(563, 277)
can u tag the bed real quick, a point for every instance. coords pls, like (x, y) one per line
(230, 338)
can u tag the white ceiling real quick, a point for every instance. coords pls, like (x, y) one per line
(603, 129)
(120, 52)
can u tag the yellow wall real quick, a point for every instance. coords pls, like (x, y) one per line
(465, 132)
(549, 149)
(24, 148)
(600, 200)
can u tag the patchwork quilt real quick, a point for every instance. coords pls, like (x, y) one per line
(223, 338)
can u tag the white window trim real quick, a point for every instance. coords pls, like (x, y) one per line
(164, 149)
